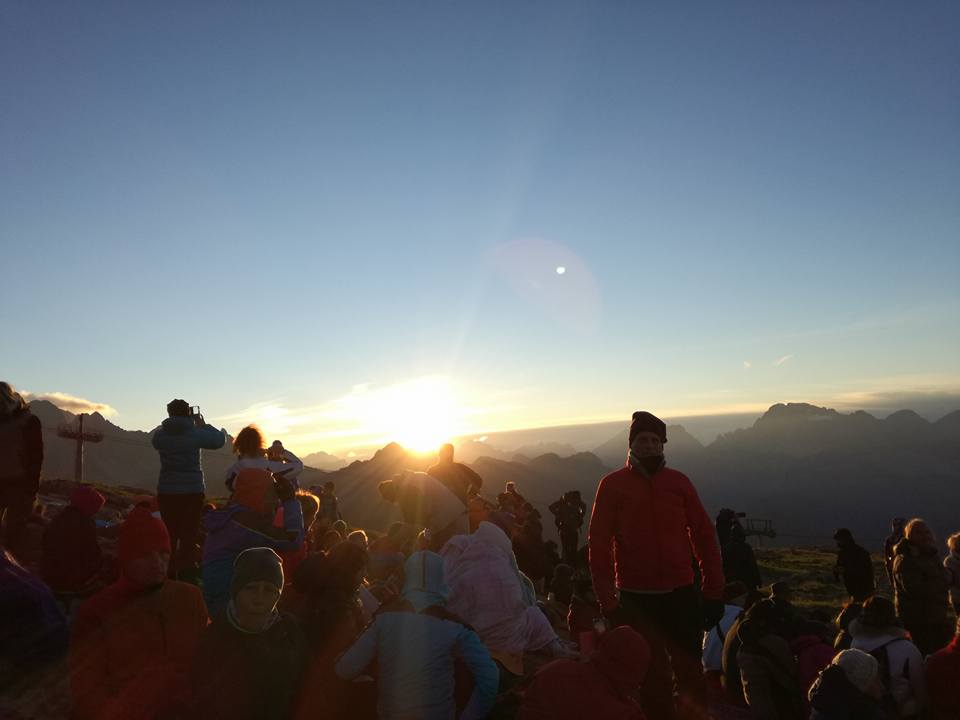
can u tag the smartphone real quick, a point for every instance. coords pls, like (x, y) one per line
(194, 409)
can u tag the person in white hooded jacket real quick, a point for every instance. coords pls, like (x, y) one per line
(880, 632)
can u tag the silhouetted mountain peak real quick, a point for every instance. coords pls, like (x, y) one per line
(950, 420)
(791, 412)
(389, 453)
(906, 418)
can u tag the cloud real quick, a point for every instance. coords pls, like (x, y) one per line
(747, 364)
(781, 360)
(72, 403)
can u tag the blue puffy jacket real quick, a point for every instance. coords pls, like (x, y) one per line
(179, 441)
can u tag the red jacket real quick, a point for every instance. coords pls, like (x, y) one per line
(641, 532)
(943, 670)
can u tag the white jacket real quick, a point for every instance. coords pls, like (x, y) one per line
(713, 640)
(907, 681)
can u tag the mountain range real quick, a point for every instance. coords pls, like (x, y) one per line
(851, 470)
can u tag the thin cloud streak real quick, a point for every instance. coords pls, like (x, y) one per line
(781, 360)
(72, 403)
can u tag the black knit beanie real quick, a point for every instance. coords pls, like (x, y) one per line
(646, 422)
(256, 565)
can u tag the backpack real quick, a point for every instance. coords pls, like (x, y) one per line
(887, 702)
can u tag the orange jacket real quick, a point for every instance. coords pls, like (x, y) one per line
(131, 651)
(641, 533)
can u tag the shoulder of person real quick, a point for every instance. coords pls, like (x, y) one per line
(676, 476)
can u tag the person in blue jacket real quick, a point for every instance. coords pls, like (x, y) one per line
(180, 489)
(415, 642)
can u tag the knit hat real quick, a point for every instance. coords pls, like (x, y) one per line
(254, 488)
(860, 668)
(87, 500)
(734, 590)
(141, 534)
(256, 565)
(646, 422)
(879, 612)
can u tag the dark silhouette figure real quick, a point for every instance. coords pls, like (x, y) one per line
(920, 588)
(459, 479)
(854, 566)
(21, 457)
(568, 513)
(71, 554)
(739, 562)
(895, 536)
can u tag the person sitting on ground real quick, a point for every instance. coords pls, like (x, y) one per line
(943, 672)
(605, 686)
(895, 536)
(252, 452)
(133, 642)
(415, 642)
(739, 561)
(358, 538)
(332, 618)
(21, 458)
(247, 522)
(848, 689)
(559, 595)
(428, 503)
(768, 669)
(510, 500)
(878, 631)
(920, 588)
(812, 645)
(33, 630)
(952, 564)
(488, 591)
(854, 566)
(730, 679)
(329, 506)
(527, 541)
(569, 512)
(72, 557)
(848, 613)
(389, 553)
(734, 598)
(584, 610)
(309, 506)
(785, 614)
(461, 480)
(250, 661)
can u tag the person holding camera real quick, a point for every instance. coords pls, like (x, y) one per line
(180, 488)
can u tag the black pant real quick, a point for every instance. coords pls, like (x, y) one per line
(671, 624)
(569, 540)
(16, 506)
(181, 514)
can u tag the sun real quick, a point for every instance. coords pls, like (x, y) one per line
(421, 414)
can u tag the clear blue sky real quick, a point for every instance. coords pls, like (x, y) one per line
(264, 204)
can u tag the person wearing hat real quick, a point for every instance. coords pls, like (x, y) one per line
(848, 689)
(854, 565)
(739, 561)
(251, 659)
(734, 599)
(21, 458)
(943, 672)
(180, 487)
(602, 687)
(880, 632)
(71, 554)
(132, 643)
(921, 588)
(646, 519)
(768, 669)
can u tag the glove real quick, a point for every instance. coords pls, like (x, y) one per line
(712, 613)
(283, 487)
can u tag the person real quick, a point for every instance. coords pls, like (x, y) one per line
(133, 642)
(878, 631)
(854, 566)
(460, 479)
(247, 521)
(251, 659)
(332, 617)
(180, 488)
(952, 564)
(488, 591)
(848, 689)
(329, 506)
(510, 500)
(812, 645)
(727, 519)
(33, 630)
(309, 506)
(895, 536)
(646, 519)
(428, 503)
(252, 453)
(72, 557)
(584, 610)
(943, 671)
(921, 588)
(602, 687)
(527, 543)
(768, 668)
(739, 561)
(850, 611)
(734, 599)
(21, 459)
(569, 512)
(785, 614)
(415, 642)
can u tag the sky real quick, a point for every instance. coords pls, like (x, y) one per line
(353, 221)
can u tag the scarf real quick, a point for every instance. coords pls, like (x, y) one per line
(647, 466)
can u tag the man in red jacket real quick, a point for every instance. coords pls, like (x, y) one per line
(646, 519)
(943, 671)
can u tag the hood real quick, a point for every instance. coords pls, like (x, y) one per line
(869, 638)
(216, 520)
(424, 584)
(623, 656)
(832, 694)
(492, 534)
(177, 425)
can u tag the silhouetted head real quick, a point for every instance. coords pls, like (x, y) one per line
(918, 533)
(329, 487)
(309, 506)
(446, 453)
(255, 588)
(953, 543)
(511, 487)
(10, 400)
(781, 591)
(358, 538)
(848, 613)
(879, 612)
(249, 442)
(897, 525)
(843, 537)
(388, 490)
(648, 434)
(178, 408)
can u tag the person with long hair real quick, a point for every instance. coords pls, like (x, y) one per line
(252, 452)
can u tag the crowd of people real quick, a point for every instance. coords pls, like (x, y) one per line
(269, 605)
